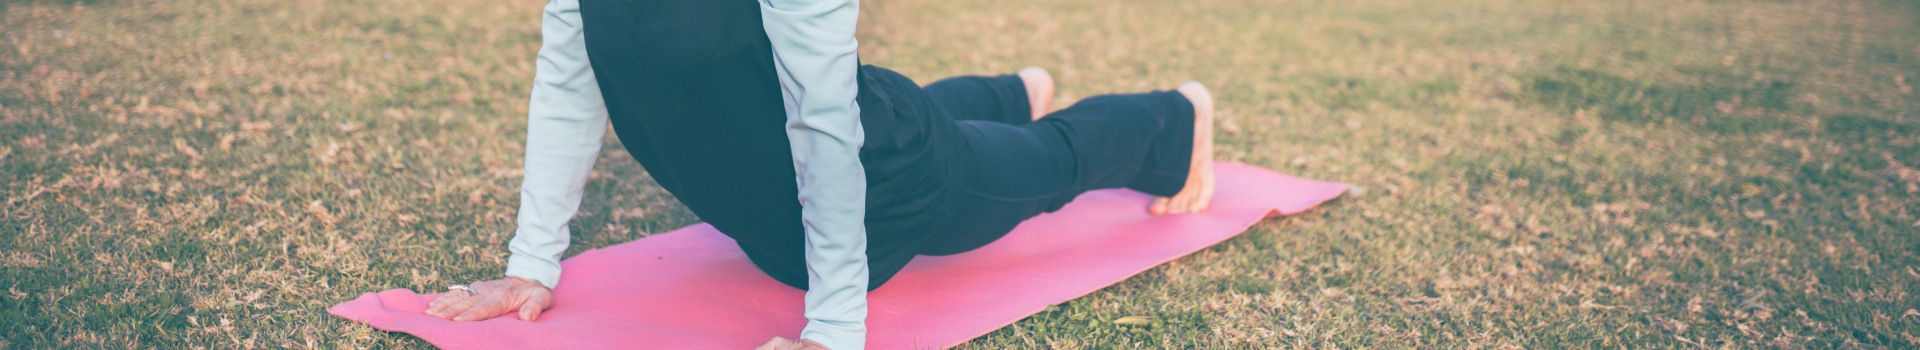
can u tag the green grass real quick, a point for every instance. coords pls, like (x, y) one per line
(1538, 174)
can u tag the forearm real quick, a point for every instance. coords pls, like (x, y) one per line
(566, 120)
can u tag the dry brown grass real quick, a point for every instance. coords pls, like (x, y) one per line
(1544, 174)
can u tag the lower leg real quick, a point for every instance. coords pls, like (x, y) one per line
(1198, 191)
(1138, 141)
(1013, 99)
(1160, 143)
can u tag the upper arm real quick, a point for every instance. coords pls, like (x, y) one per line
(563, 84)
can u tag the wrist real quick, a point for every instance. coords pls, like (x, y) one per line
(813, 345)
(518, 281)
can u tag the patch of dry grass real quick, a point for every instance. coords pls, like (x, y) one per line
(214, 173)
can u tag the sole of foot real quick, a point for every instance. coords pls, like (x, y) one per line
(1039, 90)
(1198, 192)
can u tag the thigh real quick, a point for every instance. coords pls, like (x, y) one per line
(999, 98)
(1015, 175)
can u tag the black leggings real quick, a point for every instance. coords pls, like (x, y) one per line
(1021, 168)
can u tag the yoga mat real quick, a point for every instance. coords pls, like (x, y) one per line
(693, 289)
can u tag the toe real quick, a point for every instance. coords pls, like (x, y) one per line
(1175, 206)
(1159, 206)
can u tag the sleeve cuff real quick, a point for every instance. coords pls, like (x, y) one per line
(547, 273)
(836, 336)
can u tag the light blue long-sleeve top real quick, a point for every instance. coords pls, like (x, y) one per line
(814, 56)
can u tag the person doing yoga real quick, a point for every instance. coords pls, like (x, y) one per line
(830, 175)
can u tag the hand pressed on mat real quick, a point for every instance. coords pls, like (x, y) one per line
(782, 343)
(492, 299)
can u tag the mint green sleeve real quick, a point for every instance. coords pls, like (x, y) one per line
(566, 119)
(814, 55)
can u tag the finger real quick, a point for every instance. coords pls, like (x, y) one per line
(539, 301)
(448, 298)
(442, 300)
(461, 306)
(529, 313)
(492, 307)
(484, 309)
(445, 300)
(530, 310)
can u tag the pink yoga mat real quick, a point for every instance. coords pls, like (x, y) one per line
(693, 289)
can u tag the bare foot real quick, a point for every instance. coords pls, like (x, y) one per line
(1039, 90)
(1199, 189)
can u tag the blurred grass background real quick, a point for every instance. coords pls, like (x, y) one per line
(1538, 174)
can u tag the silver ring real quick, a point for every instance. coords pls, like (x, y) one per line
(462, 287)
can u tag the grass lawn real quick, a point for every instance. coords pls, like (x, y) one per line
(1537, 173)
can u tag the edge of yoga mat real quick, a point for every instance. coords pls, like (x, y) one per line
(1325, 191)
(1248, 195)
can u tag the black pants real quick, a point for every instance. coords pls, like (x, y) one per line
(691, 90)
(1022, 168)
